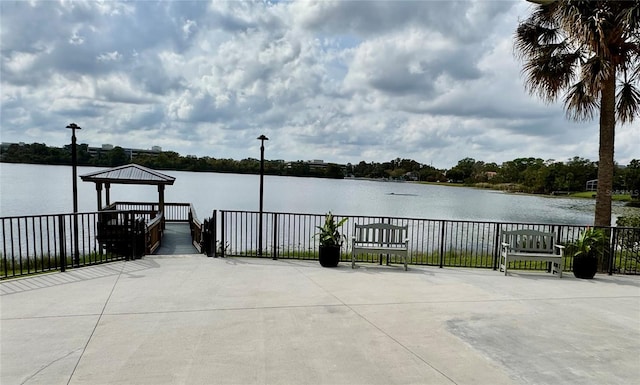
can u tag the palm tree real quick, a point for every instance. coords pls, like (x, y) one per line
(590, 51)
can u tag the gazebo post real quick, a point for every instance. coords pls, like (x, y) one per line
(107, 186)
(161, 201)
(99, 193)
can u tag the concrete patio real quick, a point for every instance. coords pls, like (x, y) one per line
(195, 320)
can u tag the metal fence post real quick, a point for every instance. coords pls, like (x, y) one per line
(275, 236)
(63, 244)
(213, 236)
(442, 240)
(496, 248)
(205, 237)
(614, 247)
(222, 237)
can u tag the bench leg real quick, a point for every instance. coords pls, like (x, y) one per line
(559, 268)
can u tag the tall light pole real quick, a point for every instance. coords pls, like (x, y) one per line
(74, 165)
(261, 138)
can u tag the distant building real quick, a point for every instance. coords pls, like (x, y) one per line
(314, 165)
(317, 165)
(592, 185)
(5, 145)
(96, 151)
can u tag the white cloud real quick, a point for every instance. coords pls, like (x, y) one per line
(109, 56)
(344, 81)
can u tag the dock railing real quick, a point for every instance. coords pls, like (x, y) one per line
(173, 212)
(124, 230)
(195, 228)
(434, 242)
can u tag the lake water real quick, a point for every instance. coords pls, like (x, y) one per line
(39, 189)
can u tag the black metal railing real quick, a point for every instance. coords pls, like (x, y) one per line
(123, 230)
(40, 243)
(433, 242)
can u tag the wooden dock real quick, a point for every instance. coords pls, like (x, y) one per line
(176, 240)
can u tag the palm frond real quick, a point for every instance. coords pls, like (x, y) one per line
(532, 37)
(629, 17)
(628, 103)
(590, 22)
(595, 71)
(585, 41)
(580, 103)
(551, 71)
(635, 74)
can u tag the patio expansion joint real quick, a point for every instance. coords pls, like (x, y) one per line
(341, 304)
(365, 319)
(84, 348)
(50, 317)
(514, 299)
(205, 310)
(26, 380)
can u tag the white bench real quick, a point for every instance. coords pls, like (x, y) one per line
(531, 245)
(380, 238)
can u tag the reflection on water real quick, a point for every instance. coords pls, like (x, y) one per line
(37, 189)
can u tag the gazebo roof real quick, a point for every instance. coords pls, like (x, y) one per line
(129, 174)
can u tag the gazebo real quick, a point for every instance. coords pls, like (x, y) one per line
(128, 174)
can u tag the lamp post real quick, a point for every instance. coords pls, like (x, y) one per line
(261, 138)
(74, 165)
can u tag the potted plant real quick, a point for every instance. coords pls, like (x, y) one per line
(330, 241)
(586, 251)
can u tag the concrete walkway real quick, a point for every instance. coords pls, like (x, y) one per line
(196, 320)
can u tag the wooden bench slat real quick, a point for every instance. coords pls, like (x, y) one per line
(380, 238)
(531, 245)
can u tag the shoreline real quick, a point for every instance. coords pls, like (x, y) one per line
(576, 195)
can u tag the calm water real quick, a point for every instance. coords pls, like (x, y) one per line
(37, 189)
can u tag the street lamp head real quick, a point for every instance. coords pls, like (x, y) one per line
(262, 137)
(74, 126)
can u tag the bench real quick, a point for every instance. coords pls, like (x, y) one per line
(531, 245)
(380, 238)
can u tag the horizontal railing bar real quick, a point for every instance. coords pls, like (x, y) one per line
(36, 243)
(462, 243)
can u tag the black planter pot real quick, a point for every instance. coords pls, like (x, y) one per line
(585, 267)
(329, 256)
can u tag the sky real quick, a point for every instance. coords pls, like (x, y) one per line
(341, 81)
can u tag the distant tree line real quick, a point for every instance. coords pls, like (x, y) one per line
(38, 153)
(533, 175)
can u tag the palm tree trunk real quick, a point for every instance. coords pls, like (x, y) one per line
(605, 161)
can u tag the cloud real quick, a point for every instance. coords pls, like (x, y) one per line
(343, 81)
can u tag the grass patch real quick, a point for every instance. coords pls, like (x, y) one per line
(30, 265)
(625, 261)
(592, 195)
